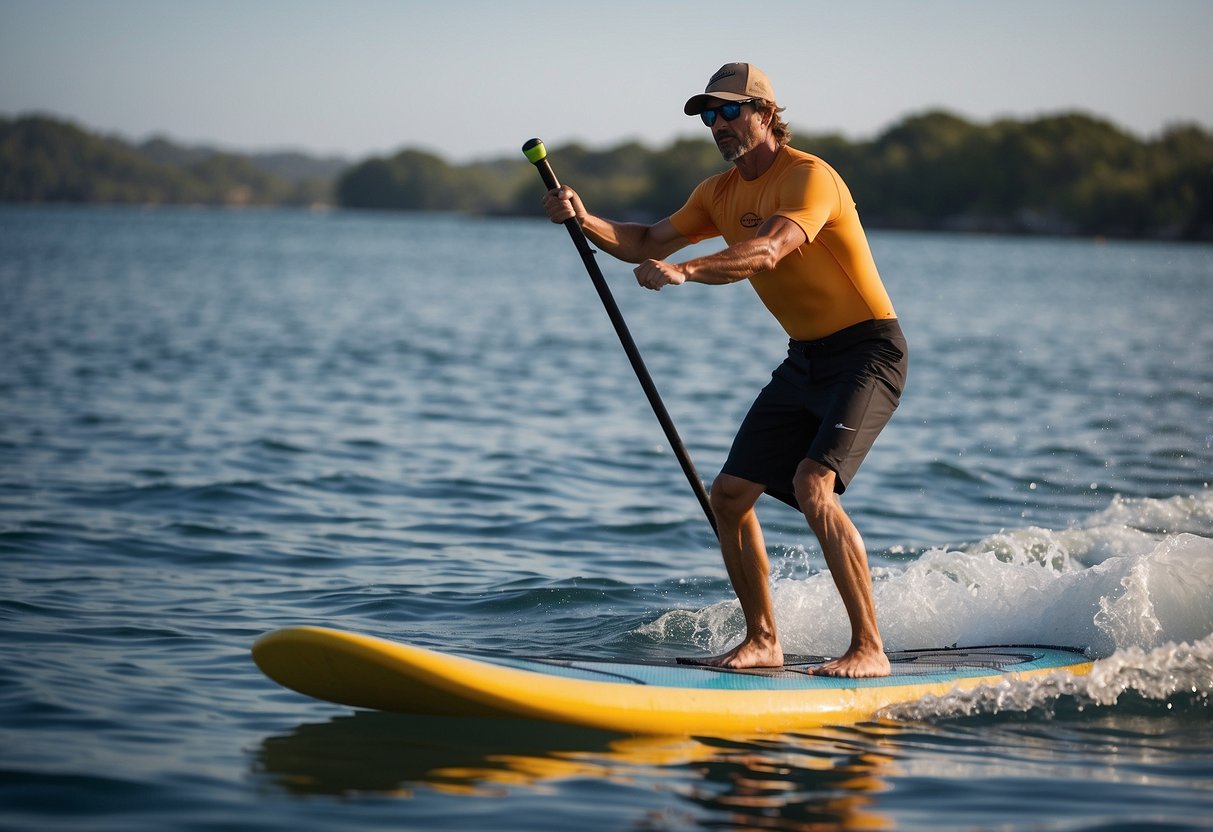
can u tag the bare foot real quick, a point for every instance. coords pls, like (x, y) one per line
(855, 664)
(748, 654)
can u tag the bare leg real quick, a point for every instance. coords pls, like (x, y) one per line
(848, 562)
(745, 558)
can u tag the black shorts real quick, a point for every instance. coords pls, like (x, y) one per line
(827, 402)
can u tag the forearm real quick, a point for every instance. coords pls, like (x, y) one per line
(737, 262)
(628, 241)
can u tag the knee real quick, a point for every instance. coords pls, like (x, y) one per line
(732, 497)
(814, 488)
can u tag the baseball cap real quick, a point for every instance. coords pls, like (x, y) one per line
(732, 82)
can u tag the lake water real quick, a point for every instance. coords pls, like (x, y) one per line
(214, 424)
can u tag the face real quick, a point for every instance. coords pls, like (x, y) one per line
(738, 137)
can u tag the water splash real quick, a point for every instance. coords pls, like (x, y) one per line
(1180, 675)
(1138, 574)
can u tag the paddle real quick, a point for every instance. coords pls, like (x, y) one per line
(537, 154)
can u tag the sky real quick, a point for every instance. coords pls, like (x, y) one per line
(474, 79)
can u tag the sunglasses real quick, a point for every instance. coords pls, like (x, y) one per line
(727, 111)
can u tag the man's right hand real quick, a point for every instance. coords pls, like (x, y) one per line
(563, 204)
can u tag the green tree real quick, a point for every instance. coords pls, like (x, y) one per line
(412, 180)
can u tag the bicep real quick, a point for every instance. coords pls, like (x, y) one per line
(662, 239)
(782, 235)
(810, 198)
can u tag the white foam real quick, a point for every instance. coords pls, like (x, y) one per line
(1138, 574)
(1181, 672)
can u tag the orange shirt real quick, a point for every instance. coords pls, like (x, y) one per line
(825, 285)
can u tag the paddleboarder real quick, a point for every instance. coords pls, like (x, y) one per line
(792, 230)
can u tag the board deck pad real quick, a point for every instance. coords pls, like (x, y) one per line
(634, 696)
(941, 663)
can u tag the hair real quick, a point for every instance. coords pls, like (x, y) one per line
(779, 127)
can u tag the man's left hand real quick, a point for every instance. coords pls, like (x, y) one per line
(653, 274)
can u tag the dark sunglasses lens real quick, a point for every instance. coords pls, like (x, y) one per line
(727, 111)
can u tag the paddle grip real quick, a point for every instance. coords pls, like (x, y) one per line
(537, 154)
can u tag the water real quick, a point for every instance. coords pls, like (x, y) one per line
(213, 424)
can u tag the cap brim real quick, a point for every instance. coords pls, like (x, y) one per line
(696, 104)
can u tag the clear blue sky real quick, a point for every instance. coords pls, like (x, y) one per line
(475, 78)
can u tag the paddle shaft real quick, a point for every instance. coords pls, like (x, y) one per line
(625, 337)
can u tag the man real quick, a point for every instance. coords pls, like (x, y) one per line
(792, 231)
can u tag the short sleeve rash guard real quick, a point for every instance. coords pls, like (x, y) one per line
(825, 285)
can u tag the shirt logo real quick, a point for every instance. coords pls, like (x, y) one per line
(750, 220)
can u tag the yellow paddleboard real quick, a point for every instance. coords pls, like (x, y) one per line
(657, 697)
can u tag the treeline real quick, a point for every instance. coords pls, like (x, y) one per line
(47, 160)
(1067, 174)
(1061, 174)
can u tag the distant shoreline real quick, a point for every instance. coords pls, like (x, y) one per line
(1067, 175)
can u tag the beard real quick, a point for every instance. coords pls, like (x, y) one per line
(732, 147)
